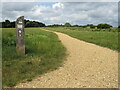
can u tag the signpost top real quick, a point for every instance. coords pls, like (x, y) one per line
(20, 22)
(21, 17)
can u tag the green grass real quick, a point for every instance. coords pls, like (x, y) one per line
(44, 52)
(102, 38)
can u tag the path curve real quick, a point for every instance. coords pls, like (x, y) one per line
(87, 66)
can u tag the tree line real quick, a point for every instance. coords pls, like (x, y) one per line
(28, 23)
(99, 26)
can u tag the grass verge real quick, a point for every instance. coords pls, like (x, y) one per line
(44, 52)
(101, 38)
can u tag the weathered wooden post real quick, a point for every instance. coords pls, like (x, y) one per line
(20, 43)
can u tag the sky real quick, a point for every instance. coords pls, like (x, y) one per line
(80, 13)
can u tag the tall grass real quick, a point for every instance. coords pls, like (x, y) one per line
(44, 52)
(102, 38)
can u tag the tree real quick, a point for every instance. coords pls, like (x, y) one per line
(0, 24)
(103, 26)
(34, 24)
(118, 26)
(75, 25)
(12, 24)
(67, 24)
(28, 23)
(7, 24)
(91, 26)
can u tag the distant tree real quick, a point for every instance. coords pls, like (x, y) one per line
(75, 25)
(84, 26)
(33, 24)
(55, 25)
(41, 24)
(28, 23)
(103, 26)
(12, 24)
(0, 24)
(118, 26)
(67, 24)
(92, 26)
(25, 21)
(7, 24)
(7, 21)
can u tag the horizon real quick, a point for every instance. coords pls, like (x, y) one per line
(63, 24)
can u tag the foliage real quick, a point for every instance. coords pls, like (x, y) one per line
(8, 24)
(103, 26)
(28, 23)
(91, 26)
(67, 24)
(55, 25)
(33, 24)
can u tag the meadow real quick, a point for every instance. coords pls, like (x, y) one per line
(44, 52)
(102, 37)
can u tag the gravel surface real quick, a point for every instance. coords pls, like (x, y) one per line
(87, 66)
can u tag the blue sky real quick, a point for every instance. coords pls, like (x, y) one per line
(80, 13)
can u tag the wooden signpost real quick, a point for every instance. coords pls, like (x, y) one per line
(20, 43)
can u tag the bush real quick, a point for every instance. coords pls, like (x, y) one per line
(103, 26)
(67, 24)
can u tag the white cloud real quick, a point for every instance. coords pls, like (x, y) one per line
(61, 12)
(58, 6)
(36, 11)
(80, 16)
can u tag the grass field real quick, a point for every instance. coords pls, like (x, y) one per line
(105, 38)
(44, 52)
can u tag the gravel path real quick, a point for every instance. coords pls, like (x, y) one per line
(87, 66)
